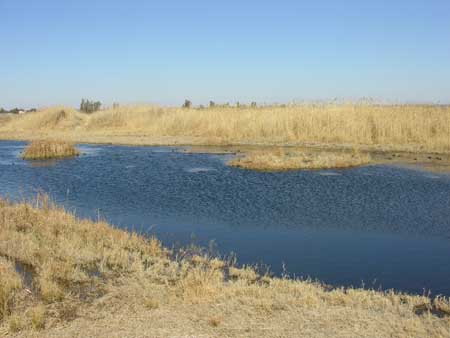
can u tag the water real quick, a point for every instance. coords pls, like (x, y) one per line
(377, 226)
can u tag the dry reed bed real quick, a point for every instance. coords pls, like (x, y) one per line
(49, 149)
(282, 160)
(393, 127)
(119, 284)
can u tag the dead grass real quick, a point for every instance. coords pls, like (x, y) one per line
(423, 128)
(282, 159)
(10, 283)
(112, 283)
(16, 323)
(38, 317)
(49, 149)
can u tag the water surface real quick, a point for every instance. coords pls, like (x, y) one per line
(378, 226)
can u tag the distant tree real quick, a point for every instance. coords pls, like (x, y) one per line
(238, 104)
(253, 104)
(187, 104)
(212, 104)
(115, 105)
(90, 107)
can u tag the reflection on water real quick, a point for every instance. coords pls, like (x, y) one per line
(383, 226)
(43, 163)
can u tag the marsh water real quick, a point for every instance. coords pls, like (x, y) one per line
(378, 226)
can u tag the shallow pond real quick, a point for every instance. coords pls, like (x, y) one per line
(377, 226)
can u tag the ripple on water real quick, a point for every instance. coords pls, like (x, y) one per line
(199, 170)
(433, 177)
(329, 173)
(87, 150)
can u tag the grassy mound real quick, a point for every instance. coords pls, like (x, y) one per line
(48, 149)
(87, 279)
(282, 160)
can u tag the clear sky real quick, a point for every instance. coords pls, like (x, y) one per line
(136, 51)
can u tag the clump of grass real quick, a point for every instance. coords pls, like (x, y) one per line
(214, 321)
(49, 149)
(16, 323)
(38, 317)
(282, 159)
(10, 284)
(151, 304)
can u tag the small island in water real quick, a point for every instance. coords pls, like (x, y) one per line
(49, 149)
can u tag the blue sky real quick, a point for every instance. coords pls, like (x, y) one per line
(56, 52)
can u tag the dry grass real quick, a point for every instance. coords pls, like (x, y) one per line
(10, 283)
(385, 127)
(119, 284)
(283, 159)
(49, 149)
(38, 317)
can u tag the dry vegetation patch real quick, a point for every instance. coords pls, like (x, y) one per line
(116, 284)
(283, 159)
(407, 127)
(49, 149)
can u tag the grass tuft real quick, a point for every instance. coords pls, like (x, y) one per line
(49, 149)
(38, 317)
(16, 323)
(10, 284)
(215, 321)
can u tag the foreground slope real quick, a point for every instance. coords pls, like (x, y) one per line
(79, 278)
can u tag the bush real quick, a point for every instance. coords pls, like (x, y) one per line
(187, 104)
(90, 107)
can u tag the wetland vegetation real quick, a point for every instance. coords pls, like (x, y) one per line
(368, 127)
(49, 149)
(285, 159)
